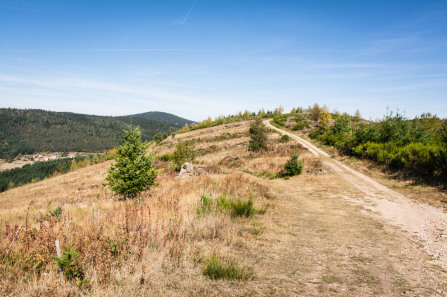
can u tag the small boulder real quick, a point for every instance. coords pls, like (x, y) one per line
(188, 169)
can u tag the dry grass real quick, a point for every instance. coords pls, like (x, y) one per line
(148, 247)
(310, 242)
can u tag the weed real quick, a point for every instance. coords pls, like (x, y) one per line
(243, 208)
(84, 285)
(223, 203)
(56, 213)
(205, 206)
(217, 268)
(257, 229)
(271, 175)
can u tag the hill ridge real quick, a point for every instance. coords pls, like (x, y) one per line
(25, 131)
(163, 116)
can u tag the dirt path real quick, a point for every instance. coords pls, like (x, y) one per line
(423, 223)
(317, 243)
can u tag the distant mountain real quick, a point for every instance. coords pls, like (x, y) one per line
(33, 130)
(164, 117)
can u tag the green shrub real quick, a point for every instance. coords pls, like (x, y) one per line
(184, 152)
(280, 120)
(300, 126)
(293, 166)
(218, 268)
(166, 157)
(284, 138)
(69, 265)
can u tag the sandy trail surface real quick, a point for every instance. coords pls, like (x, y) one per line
(423, 223)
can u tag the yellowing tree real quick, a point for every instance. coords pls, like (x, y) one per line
(279, 109)
(315, 112)
(73, 165)
(357, 115)
(325, 116)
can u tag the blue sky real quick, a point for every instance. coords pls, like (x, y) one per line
(204, 58)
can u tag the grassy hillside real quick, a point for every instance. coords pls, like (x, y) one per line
(190, 237)
(164, 117)
(28, 131)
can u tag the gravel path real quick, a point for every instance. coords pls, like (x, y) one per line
(422, 222)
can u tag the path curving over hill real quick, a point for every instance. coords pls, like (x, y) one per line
(423, 222)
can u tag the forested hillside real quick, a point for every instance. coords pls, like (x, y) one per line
(28, 131)
(164, 117)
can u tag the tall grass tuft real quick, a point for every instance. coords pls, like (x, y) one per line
(242, 208)
(218, 268)
(205, 206)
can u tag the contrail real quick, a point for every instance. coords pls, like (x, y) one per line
(189, 12)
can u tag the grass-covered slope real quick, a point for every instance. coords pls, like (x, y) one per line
(235, 229)
(28, 131)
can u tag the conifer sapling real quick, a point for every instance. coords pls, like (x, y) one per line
(133, 171)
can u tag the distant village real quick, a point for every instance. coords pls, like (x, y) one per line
(44, 158)
(22, 160)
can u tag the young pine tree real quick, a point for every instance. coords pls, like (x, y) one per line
(258, 138)
(133, 171)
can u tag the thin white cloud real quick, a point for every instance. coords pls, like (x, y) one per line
(189, 12)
